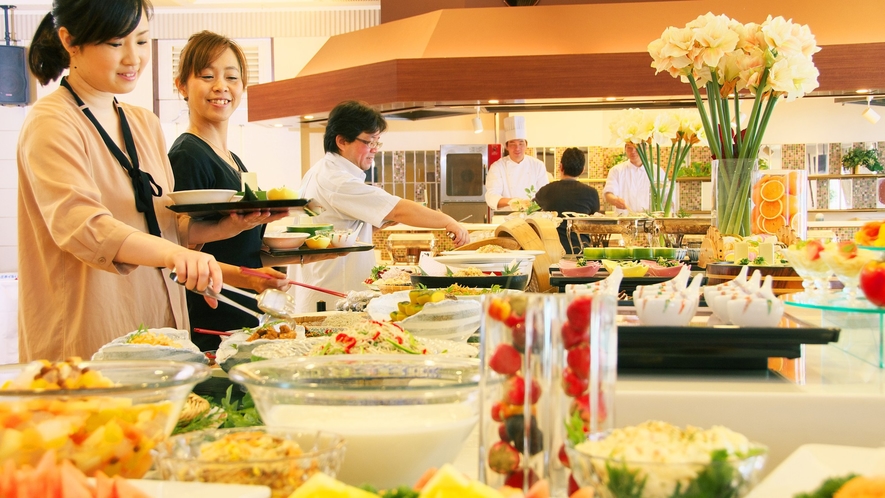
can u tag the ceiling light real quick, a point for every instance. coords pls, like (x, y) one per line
(493, 101)
(308, 117)
(869, 114)
(863, 90)
(477, 122)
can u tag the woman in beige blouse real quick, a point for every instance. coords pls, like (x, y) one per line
(95, 238)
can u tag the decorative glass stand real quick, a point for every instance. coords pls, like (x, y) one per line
(862, 323)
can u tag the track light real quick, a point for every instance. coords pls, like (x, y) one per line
(477, 122)
(869, 114)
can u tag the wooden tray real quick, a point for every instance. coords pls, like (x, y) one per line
(294, 207)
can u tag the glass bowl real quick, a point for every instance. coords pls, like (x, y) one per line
(415, 411)
(847, 270)
(616, 478)
(111, 429)
(815, 274)
(251, 455)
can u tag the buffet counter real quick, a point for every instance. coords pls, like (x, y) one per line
(827, 397)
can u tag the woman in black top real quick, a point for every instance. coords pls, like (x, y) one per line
(212, 79)
(568, 194)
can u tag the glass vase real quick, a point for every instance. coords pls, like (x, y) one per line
(779, 199)
(548, 374)
(732, 185)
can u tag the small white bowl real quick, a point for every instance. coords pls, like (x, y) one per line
(206, 196)
(285, 240)
(343, 238)
(674, 310)
(755, 312)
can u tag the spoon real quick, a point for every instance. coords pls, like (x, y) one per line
(275, 303)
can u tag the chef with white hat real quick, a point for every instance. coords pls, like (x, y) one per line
(510, 176)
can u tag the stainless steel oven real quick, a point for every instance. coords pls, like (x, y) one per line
(462, 170)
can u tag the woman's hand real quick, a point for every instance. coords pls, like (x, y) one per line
(236, 223)
(197, 271)
(277, 280)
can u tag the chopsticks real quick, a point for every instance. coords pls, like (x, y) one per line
(256, 273)
(211, 332)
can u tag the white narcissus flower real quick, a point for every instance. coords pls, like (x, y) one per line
(666, 129)
(716, 38)
(794, 76)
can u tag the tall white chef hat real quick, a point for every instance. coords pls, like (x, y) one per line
(514, 128)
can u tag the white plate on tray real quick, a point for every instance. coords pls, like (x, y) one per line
(807, 468)
(176, 489)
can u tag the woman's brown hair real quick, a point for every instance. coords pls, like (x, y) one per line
(202, 48)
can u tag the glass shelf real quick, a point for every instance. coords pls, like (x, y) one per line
(862, 323)
(832, 301)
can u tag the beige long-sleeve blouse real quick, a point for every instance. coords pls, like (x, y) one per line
(75, 208)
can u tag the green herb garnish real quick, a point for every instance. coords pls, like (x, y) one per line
(377, 271)
(759, 260)
(581, 262)
(511, 270)
(828, 488)
(400, 492)
(666, 263)
(240, 413)
(744, 261)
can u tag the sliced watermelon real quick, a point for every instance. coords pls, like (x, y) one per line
(124, 489)
(73, 482)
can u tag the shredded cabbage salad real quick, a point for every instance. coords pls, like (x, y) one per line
(370, 337)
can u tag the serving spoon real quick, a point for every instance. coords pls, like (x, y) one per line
(273, 302)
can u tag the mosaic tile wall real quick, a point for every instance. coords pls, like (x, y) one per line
(379, 239)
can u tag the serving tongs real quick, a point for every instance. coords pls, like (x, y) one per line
(273, 302)
(255, 273)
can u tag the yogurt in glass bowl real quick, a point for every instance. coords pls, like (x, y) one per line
(419, 409)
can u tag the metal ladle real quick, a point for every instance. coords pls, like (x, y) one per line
(273, 302)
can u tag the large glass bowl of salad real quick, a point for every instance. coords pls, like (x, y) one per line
(100, 415)
(415, 410)
(658, 460)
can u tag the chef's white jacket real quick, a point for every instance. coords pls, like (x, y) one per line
(507, 178)
(339, 186)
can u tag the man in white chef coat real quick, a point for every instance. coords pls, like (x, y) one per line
(510, 176)
(627, 187)
(338, 183)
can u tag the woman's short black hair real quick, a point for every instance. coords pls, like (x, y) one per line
(572, 161)
(349, 119)
(90, 22)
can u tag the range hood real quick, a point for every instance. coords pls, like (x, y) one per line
(560, 57)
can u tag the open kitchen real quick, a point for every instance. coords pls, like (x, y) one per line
(726, 332)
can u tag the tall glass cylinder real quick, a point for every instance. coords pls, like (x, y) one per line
(779, 199)
(732, 185)
(549, 370)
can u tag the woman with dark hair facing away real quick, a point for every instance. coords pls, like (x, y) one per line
(212, 78)
(338, 183)
(569, 194)
(95, 239)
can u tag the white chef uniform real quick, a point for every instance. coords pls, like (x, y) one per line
(339, 186)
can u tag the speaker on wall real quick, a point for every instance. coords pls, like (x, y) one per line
(14, 79)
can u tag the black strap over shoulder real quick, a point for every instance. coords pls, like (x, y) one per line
(143, 183)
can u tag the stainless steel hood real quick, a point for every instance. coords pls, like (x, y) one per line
(561, 57)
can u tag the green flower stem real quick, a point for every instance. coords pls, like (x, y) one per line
(712, 139)
(737, 115)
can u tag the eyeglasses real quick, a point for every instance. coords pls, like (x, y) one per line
(372, 144)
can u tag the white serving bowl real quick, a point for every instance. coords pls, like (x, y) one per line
(755, 311)
(452, 319)
(343, 238)
(285, 240)
(206, 196)
(675, 310)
